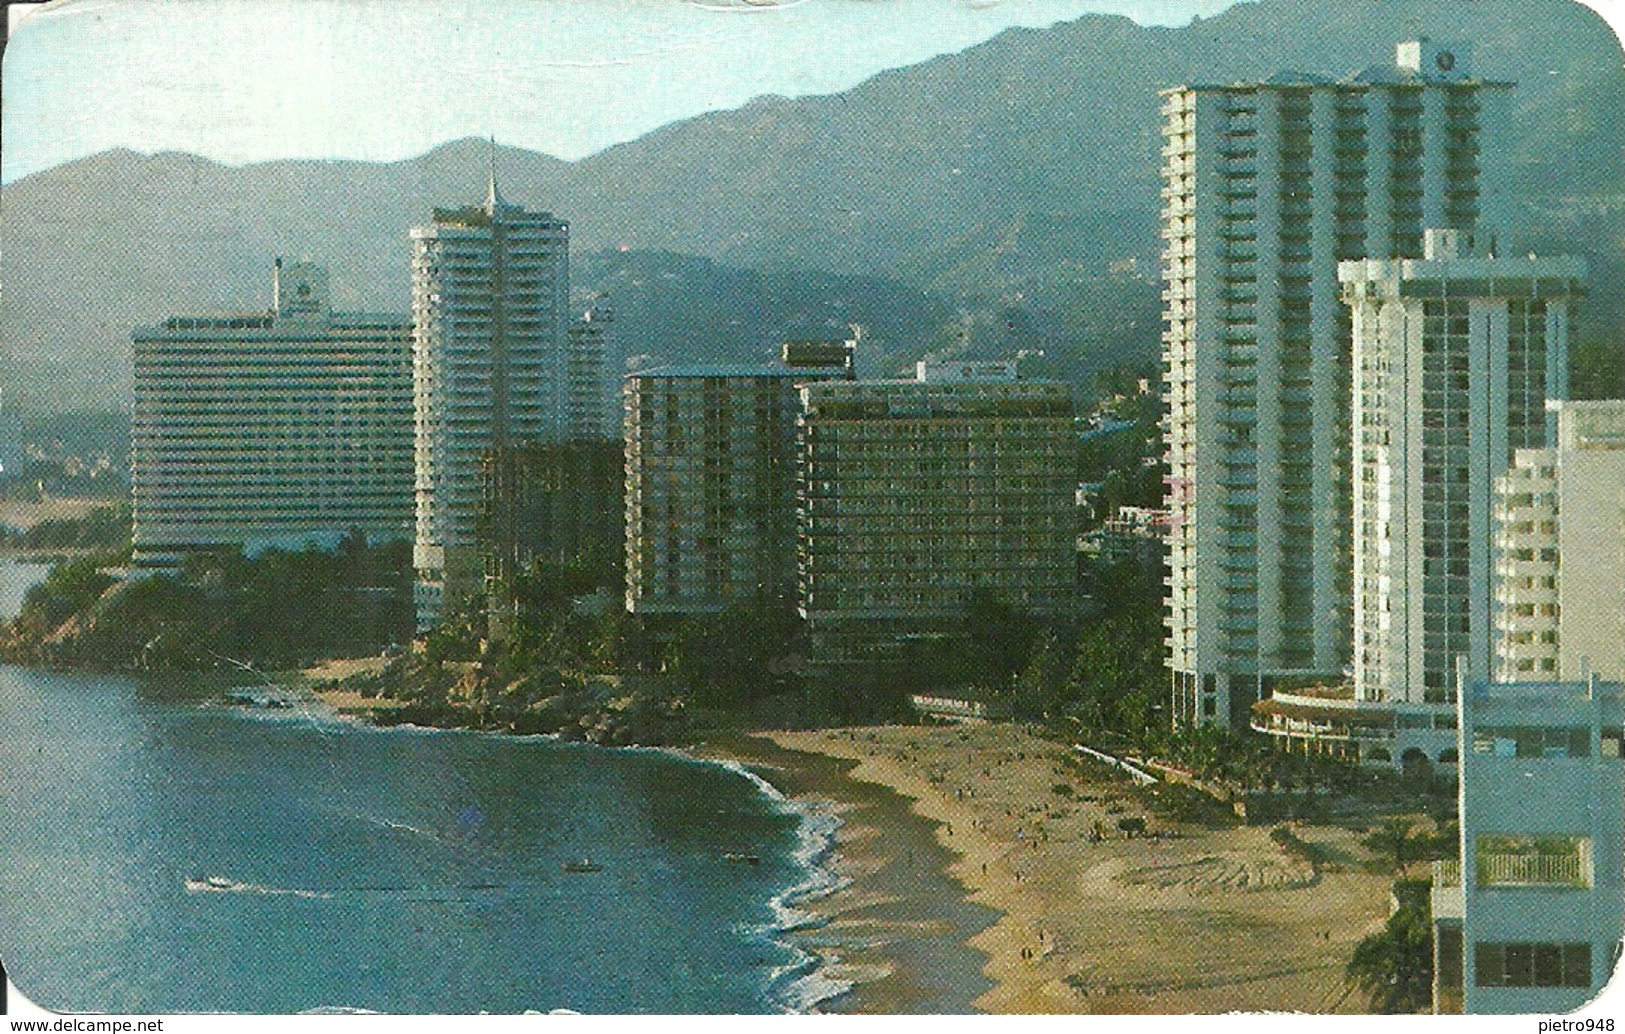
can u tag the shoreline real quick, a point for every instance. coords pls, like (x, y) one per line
(954, 875)
(959, 880)
(880, 924)
(1190, 920)
(887, 931)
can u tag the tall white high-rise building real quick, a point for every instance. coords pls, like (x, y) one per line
(283, 427)
(1560, 550)
(1267, 186)
(490, 289)
(1455, 355)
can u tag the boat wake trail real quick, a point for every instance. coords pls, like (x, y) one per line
(402, 827)
(222, 885)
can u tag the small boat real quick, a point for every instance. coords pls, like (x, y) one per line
(740, 856)
(585, 865)
(250, 700)
(210, 883)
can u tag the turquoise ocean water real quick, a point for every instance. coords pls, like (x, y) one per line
(392, 870)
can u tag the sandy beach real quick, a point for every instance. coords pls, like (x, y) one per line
(322, 680)
(1192, 920)
(895, 932)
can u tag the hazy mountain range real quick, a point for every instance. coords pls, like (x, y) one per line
(1002, 197)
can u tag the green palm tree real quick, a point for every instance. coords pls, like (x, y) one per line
(1395, 965)
(1395, 841)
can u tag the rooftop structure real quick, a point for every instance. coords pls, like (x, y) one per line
(948, 371)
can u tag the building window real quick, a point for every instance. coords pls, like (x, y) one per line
(1532, 741)
(1532, 965)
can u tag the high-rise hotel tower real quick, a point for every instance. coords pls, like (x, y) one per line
(1267, 186)
(490, 286)
(1455, 355)
(1556, 619)
(283, 427)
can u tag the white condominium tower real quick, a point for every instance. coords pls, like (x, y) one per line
(1560, 551)
(1267, 186)
(283, 427)
(1455, 356)
(490, 285)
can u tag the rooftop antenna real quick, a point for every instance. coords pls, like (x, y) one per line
(492, 197)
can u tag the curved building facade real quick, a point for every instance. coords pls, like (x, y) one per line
(490, 287)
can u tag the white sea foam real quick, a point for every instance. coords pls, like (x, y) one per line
(800, 985)
(812, 989)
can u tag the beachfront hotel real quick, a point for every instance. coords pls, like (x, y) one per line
(711, 481)
(490, 365)
(917, 494)
(1455, 355)
(1556, 620)
(1267, 187)
(288, 426)
(1530, 919)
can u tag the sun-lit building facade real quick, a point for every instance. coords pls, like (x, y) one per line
(1267, 187)
(490, 360)
(288, 426)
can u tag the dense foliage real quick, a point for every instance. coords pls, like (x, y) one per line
(105, 528)
(1597, 369)
(276, 608)
(1395, 965)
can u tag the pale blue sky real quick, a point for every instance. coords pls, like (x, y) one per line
(253, 80)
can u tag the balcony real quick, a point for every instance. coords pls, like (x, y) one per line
(1447, 897)
(1532, 870)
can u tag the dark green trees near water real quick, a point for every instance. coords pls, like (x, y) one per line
(278, 608)
(1394, 966)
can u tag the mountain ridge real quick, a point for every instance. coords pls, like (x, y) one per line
(1018, 177)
